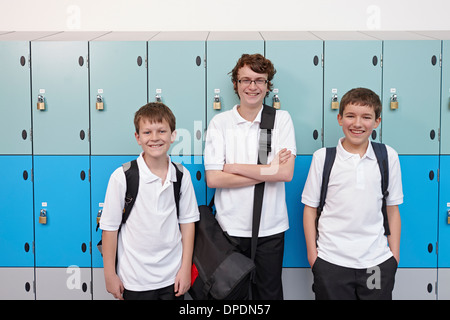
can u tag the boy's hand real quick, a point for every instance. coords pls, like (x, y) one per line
(114, 286)
(182, 281)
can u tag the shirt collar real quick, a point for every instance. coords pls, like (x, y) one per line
(238, 118)
(344, 154)
(148, 176)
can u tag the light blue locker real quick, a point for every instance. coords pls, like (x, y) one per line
(351, 60)
(101, 169)
(445, 97)
(118, 79)
(444, 212)
(60, 78)
(16, 220)
(223, 50)
(177, 77)
(298, 83)
(411, 71)
(62, 194)
(419, 211)
(295, 255)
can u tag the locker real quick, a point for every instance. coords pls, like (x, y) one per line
(411, 71)
(445, 97)
(60, 100)
(444, 212)
(223, 50)
(118, 88)
(70, 283)
(419, 211)
(17, 283)
(351, 60)
(177, 78)
(62, 197)
(298, 83)
(295, 255)
(415, 284)
(16, 220)
(101, 169)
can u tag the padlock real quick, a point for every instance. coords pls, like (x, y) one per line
(448, 216)
(217, 105)
(43, 216)
(276, 102)
(394, 102)
(99, 103)
(41, 103)
(334, 102)
(99, 215)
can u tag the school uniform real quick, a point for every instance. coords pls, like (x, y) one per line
(350, 228)
(149, 244)
(232, 139)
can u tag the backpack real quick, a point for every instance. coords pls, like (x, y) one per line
(131, 171)
(382, 159)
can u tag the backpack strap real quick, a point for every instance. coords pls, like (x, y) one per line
(131, 171)
(383, 163)
(329, 161)
(177, 185)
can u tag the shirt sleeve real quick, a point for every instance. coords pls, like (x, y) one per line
(188, 202)
(285, 133)
(214, 146)
(114, 201)
(395, 187)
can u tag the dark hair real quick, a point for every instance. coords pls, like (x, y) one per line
(154, 112)
(361, 97)
(258, 64)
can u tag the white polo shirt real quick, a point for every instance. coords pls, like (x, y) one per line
(232, 139)
(351, 232)
(149, 245)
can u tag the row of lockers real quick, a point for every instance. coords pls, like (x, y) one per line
(76, 93)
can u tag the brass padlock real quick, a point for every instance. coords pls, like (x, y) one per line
(41, 103)
(99, 103)
(448, 216)
(43, 216)
(217, 105)
(394, 102)
(99, 215)
(276, 102)
(334, 102)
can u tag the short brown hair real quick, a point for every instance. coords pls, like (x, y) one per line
(361, 97)
(154, 112)
(258, 64)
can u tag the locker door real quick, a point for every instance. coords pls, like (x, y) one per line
(177, 78)
(411, 71)
(297, 57)
(60, 79)
(197, 171)
(444, 212)
(223, 50)
(62, 194)
(445, 98)
(16, 220)
(419, 211)
(15, 122)
(118, 77)
(351, 60)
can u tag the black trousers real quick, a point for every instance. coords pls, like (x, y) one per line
(166, 293)
(267, 284)
(333, 282)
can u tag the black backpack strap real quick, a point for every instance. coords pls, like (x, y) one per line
(383, 163)
(328, 164)
(177, 185)
(131, 171)
(265, 141)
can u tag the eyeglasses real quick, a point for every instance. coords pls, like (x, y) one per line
(258, 82)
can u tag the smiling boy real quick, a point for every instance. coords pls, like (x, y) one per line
(154, 255)
(351, 245)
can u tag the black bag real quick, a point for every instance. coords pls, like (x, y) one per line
(219, 270)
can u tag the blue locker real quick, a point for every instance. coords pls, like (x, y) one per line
(295, 255)
(223, 50)
(444, 212)
(351, 60)
(419, 211)
(16, 220)
(177, 77)
(297, 57)
(101, 169)
(118, 78)
(411, 74)
(60, 100)
(62, 211)
(197, 171)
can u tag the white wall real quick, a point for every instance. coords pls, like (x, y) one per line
(223, 15)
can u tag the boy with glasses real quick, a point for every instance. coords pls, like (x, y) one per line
(231, 154)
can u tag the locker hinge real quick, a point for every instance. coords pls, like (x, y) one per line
(33, 241)
(322, 62)
(440, 60)
(32, 180)
(381, 60)
(89, 177)
(90, 242)
(87, 61)
(438, 173)
(321, 135)
(439, 134)
(146, 62)
(204, 61)
(31, 135)
(34, 286)
(29, 61)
